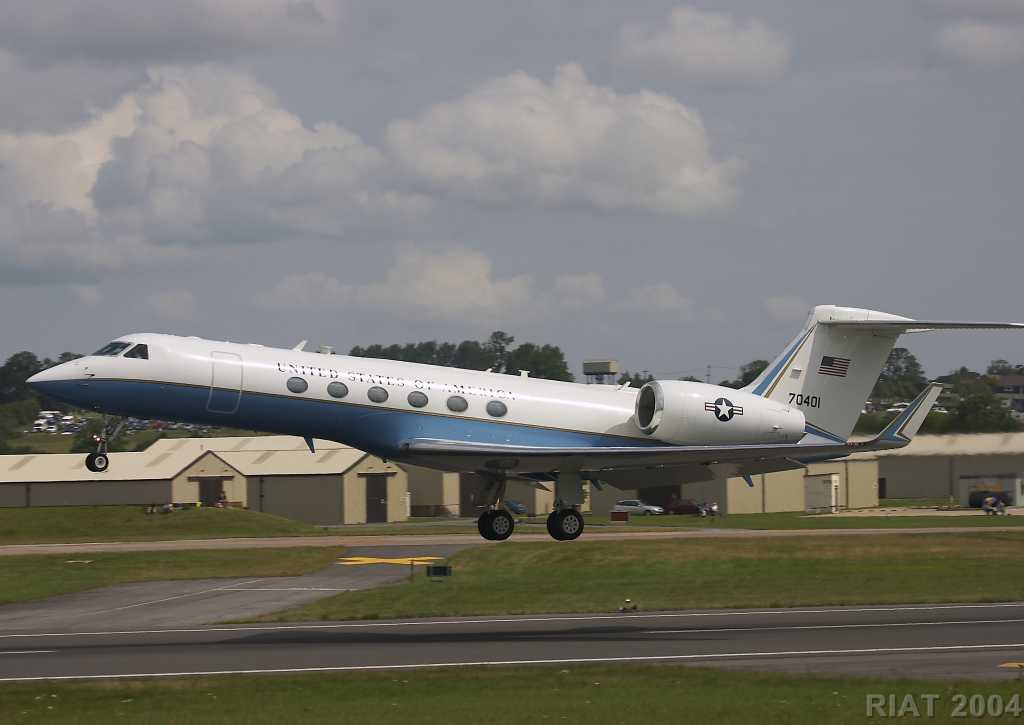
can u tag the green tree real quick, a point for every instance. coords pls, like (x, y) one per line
(19, 367)
(1001, 367)
(902, 377)
(543, 361)
(498, 346)
(748, 374)
(635, 380)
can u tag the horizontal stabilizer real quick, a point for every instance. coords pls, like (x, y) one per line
(902, 326)
(905, 425)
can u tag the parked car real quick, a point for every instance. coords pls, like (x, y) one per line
(897, 408)
(516, 508)
(682, 506)
(636, 506)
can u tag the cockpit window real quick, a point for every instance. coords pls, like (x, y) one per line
(112, 348)
(139, 351)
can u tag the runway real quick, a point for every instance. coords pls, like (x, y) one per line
(469, 539)
(951, 640)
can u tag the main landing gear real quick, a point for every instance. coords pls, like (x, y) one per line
(495, 523)
(99, 461)
(565, 523)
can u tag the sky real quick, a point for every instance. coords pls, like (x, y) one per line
(670, 185)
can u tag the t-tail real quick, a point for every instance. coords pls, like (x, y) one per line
(829, 369)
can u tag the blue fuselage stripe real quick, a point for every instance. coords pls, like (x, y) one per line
(378, 430)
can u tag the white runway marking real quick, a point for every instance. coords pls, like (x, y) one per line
(30, 652)
(571, 661)
(176, 596)
(831, 626)
(510, 620)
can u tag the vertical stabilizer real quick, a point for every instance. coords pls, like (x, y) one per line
(828, 370)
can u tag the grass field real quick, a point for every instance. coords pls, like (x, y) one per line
(24, 578)
(594, 694)
(798, 520)
(67, 524)
(597, 576)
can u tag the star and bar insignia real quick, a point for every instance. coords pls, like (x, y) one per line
(723, 409)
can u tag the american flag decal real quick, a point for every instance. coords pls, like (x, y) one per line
(837, 366)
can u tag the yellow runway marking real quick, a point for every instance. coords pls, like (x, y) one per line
(407, 561)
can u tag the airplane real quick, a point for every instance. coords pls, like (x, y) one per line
(801, 409)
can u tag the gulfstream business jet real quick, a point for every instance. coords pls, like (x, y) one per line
(802, 408)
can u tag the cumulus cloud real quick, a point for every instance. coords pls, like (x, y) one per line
(205, 155)
(173, 304)
(786, 307)
(661, 297)
(986, 33)
(519, 139)
(705, 47)
(452, 284)
(161, 31)
(580, 290)
(981, 43)
(213, 158)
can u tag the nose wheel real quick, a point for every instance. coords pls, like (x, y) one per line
(495, 525)
(565, 525)
(99, 461)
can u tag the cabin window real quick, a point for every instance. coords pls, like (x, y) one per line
(297, 385)
(337, 390)
(457, 404)
(497, 408)
(139, 352)
(417, 399)
(112, 348)
(377, 395)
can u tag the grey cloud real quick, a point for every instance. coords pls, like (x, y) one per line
(517, 139)
(706, 47)
(161, 31)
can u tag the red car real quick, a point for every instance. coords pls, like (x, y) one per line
(681, 506)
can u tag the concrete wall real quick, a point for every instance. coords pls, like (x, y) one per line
(315, 499)
(354, 500)
(432, 493)
(937, 476)
(916, 476)
(185, 486)
(13, 494)
(94, 493)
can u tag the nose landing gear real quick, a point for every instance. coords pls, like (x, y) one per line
(99, 461)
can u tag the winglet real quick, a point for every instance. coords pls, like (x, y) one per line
(301, 346)
(905, 425)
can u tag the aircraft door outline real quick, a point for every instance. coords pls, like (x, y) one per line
(225, 382)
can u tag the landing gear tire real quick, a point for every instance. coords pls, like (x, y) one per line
(565, 525)
(97, 462)
(495, 525)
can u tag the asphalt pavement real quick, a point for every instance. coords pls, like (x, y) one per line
(952, 640)
(203, 601)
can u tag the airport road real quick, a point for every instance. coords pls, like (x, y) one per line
(202, 601)
(462, 539)
(917, 640)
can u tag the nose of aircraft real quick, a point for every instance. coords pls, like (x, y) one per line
(56, 374)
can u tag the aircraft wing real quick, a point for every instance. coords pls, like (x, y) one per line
(594, 460)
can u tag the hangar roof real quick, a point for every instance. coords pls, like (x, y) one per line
(293, 463)
(62, 467)
(963, 444)
(239, 443)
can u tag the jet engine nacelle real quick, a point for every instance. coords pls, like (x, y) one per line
(688, 413)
